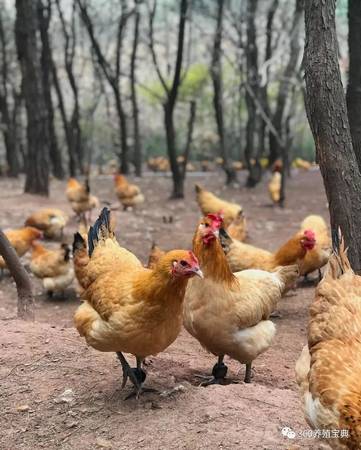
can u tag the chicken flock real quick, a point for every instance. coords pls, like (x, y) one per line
(223, 291)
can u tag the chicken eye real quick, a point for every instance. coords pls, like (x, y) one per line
(206, 225)
(183, 263)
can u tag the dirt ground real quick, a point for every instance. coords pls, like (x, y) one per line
(56, 393)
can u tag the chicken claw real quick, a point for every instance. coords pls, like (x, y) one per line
(136, 375)
(219, 373)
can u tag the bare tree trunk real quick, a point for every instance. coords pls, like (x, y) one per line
(216, 73)
(254, 168)
(8, 125)
(44, 17)
(37, 166)
(190, 128)
(171, 93)
(21, 278)
(124, 154)
(264, 89)
(178, 176)
(278, 119)
(112, 76)
(353, 96)
(327, 114)
(136, 132)
(74, 139)
(72, 164)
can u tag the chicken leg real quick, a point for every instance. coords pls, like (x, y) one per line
(136, 375)
(248, 375)
(219, 373)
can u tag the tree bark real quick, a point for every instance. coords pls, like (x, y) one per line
(264, 89)
(8, 124)
(37, 165)
(216, 74)
(136, 132)
(74, 139)
(190, 128)
(353, 96)
(178, 175)
(112, 76)
(72, 163)
(44, 17)
(21, 278)
(327, 114)
(277, 150)
(255, 171)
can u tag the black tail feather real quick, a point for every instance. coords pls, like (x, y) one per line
(103, 222)
(66, 249)
(225, 240)
(223, 233)
(78, 242)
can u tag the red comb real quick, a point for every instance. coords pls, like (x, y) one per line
(309, 234)
(216, 219)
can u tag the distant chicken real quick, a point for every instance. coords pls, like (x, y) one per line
(316, 258)
(274, 186)
(237, 165)
(155, 255)
(128, 194)
(49, 220)
(300, 163)
(158, 164)
(242, 256)
(228, 313)
(238, 228)
(53, 267)
(128, 308)
(21, 240)
(328, 370)
(80, 198)
(211, 204)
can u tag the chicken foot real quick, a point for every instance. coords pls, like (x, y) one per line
(135, 374)
(219, 373)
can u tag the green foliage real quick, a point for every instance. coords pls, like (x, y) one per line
(193, 83)
(155, 145)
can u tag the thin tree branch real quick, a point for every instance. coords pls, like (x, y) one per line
(152, 49)
(21, 278)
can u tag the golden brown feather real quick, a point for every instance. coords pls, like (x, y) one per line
(211, 204)
(328, 370)
(49, 220)
(154, 256)
(317, 257)
(128, 194)
(241, 256)
(21, 240)
(52, 266)
(226, 312)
